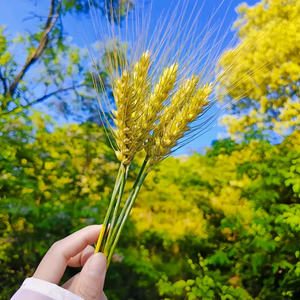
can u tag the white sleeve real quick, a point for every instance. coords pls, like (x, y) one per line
(37, 289)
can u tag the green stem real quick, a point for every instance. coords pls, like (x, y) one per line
(111, 204)
(126, 209)
(115, 230)
(115, 213)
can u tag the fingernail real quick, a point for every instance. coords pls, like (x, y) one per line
(96, 265)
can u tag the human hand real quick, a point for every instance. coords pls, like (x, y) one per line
(75, 251)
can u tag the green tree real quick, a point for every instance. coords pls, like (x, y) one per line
(50, 63)
(49, 187)
(250, 195)
(223, 225)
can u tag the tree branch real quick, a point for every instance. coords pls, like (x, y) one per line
(35, 55)
(53, 93)
(3, 82)
(39, 100)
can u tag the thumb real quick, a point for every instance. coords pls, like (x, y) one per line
(90, 282)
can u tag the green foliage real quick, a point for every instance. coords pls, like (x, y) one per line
(51, 69)
(228, 228)
(49, 188)
(223, 225)
(251, 249)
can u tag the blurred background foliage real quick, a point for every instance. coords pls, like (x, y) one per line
(219, 225)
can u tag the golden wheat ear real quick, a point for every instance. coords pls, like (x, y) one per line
(163, 84)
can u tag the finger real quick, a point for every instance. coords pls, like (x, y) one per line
(77, 261)
(90, 282)
(80, 259)
(70, 285)
(54, 263)
(103, 296)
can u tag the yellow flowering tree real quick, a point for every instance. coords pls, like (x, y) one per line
(270, 97)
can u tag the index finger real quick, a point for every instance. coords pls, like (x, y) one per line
(54, 263)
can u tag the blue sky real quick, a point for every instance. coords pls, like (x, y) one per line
(13, 13)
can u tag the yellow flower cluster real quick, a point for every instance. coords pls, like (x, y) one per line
(267, 78)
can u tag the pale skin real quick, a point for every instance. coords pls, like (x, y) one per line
(74, 251)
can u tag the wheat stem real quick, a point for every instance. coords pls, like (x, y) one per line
(115, 213)
(126, 210)
(111, 204)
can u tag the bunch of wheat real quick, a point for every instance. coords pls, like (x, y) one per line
(163, 89)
